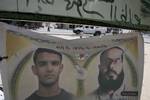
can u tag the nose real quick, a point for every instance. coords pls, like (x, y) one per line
(112, 65)
(49, 67)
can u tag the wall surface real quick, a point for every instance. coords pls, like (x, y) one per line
(130, 13)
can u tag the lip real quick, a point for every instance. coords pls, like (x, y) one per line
(49, 76)
(112, 73)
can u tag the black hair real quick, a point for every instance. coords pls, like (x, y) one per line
(41, 50)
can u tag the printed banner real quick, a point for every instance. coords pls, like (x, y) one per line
(44, 67)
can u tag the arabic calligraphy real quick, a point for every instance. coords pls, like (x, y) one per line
(80, 5)
(91, 12)
(42, 1)
(126, 15)
(46, 2)
(111, 1)
(115, 13)
(77, 3)
(145, 8)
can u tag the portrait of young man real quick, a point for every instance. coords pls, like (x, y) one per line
(48, 67)
(111, 75)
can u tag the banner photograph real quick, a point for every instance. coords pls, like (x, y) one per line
(41, 67)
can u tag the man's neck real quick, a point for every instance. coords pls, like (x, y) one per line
(48, 91)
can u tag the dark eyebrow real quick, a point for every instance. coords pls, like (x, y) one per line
(42, 50)
(116, 59)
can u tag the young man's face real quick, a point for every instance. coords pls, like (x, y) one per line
(47, 68)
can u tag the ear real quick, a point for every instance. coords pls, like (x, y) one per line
(34, 70)
(61, 68)
(99, 65)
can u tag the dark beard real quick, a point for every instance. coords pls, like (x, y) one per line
(107, 85)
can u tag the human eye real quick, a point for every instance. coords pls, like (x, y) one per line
(55, 63)
(118, 59)
(42, 63)
(109, 61)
